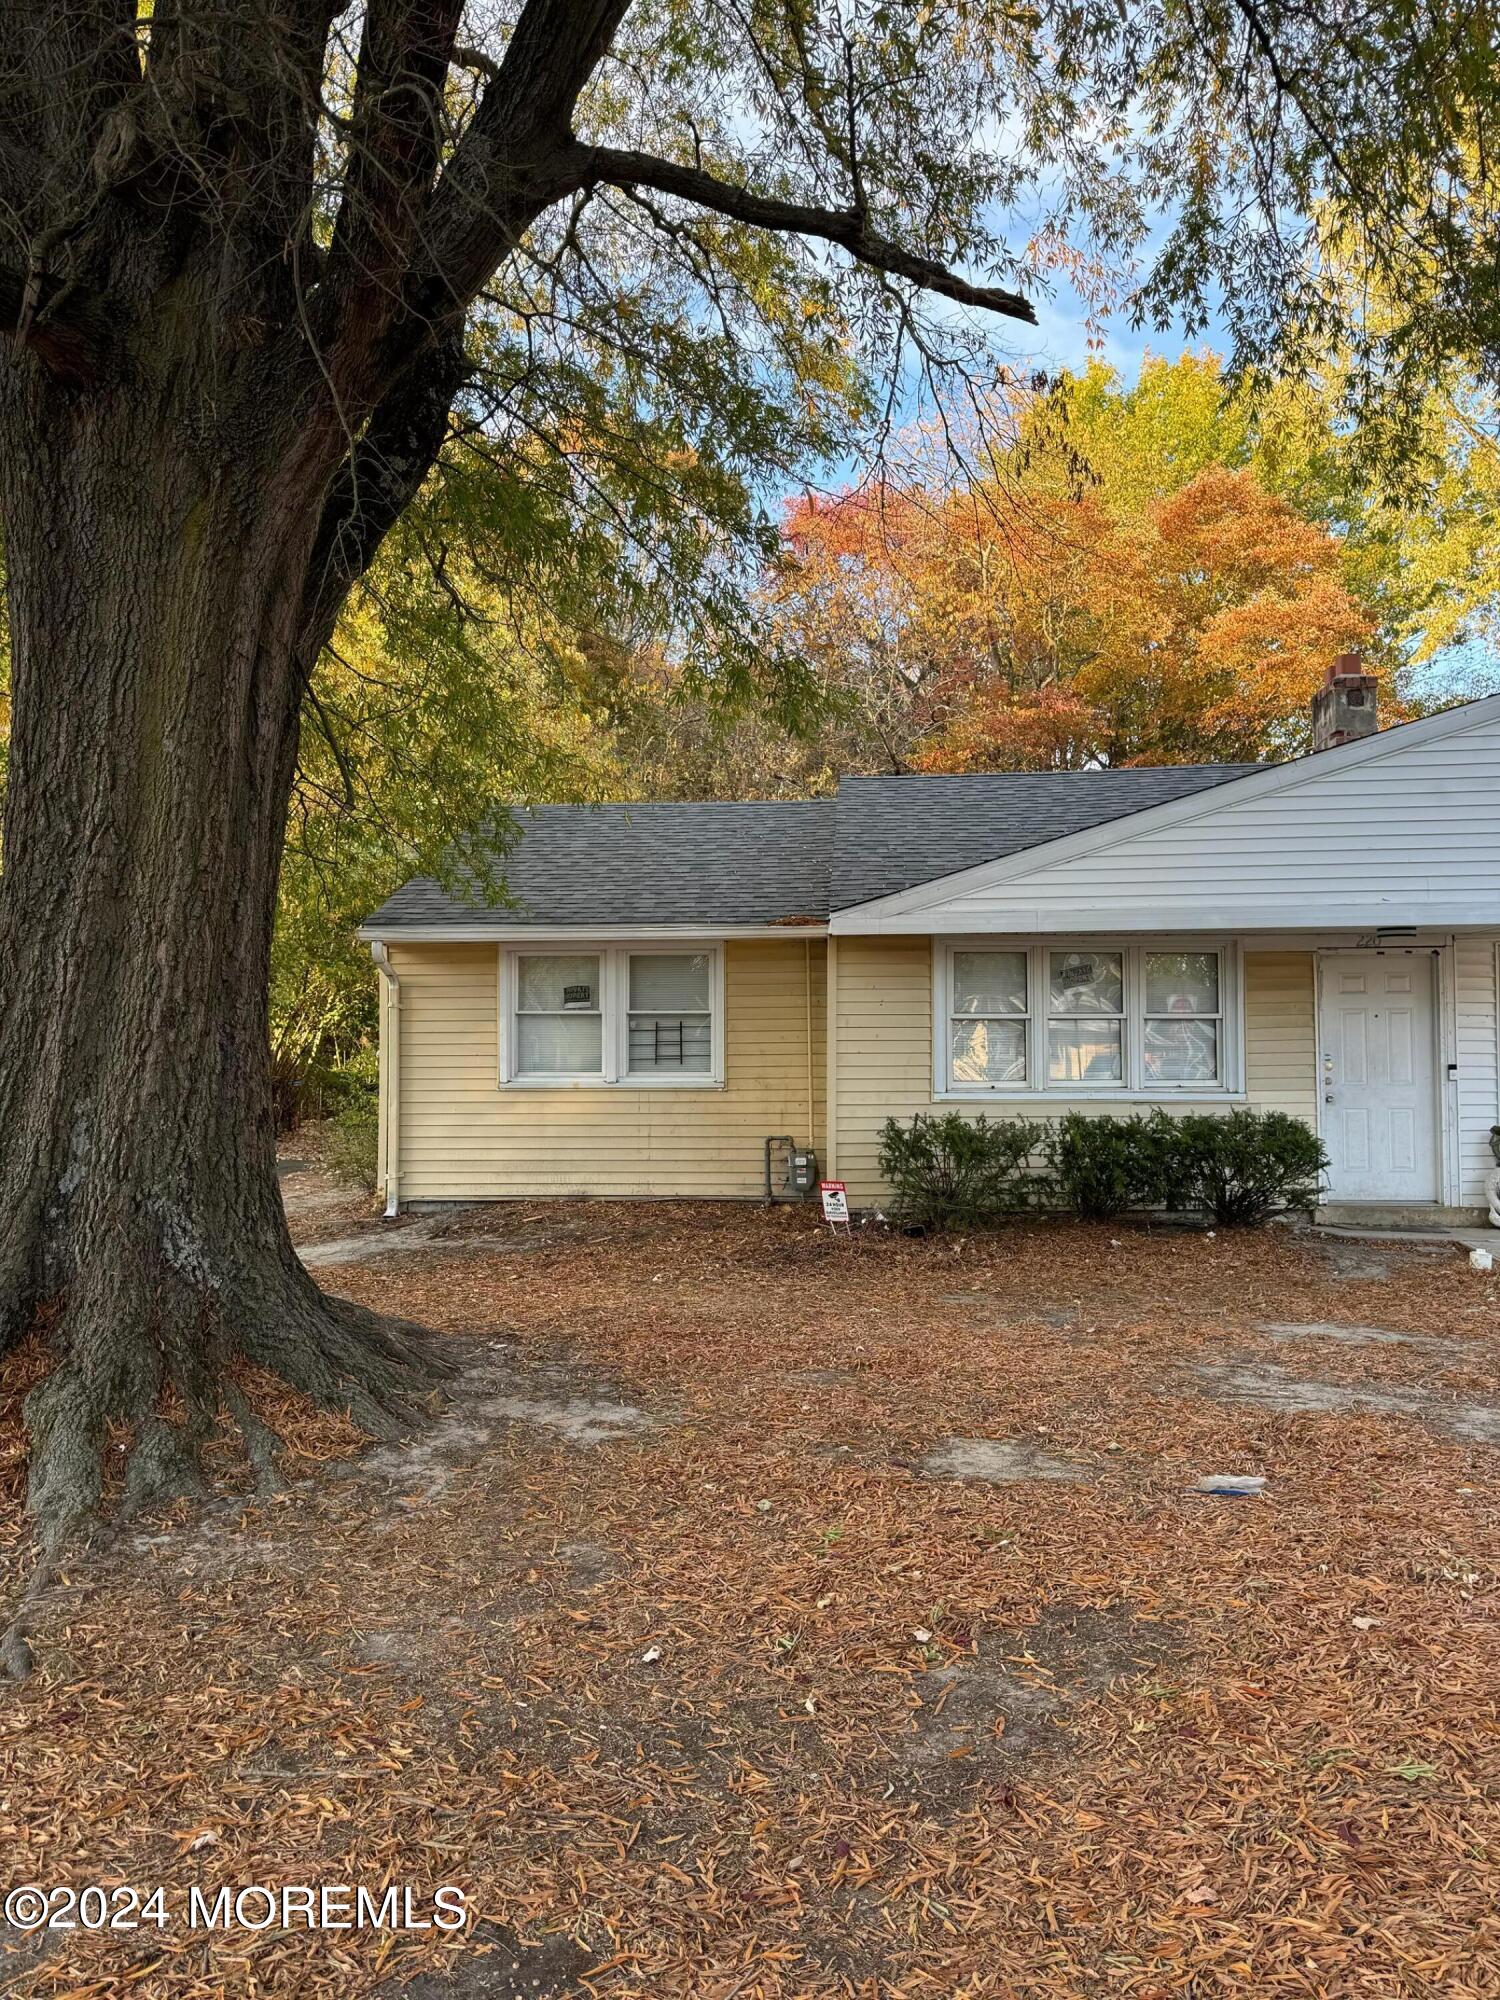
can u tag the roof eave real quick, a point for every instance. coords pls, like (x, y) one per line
(396, 932)
(876, 913)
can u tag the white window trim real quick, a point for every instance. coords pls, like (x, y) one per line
(1135, 1089)
(1040, 980)
(951, 1018)
(614, 1007)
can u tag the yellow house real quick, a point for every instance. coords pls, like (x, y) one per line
(675, 997)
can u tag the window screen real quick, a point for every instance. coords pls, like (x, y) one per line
(1183, 1012)
(988, 1024)
(670, 1030)
(1085, 1017)
(559, 1015)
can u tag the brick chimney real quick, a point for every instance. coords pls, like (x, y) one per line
(1345, 706)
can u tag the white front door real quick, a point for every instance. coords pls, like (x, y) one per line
(1378, 1075)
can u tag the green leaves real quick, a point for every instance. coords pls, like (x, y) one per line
(584, 599)
(1413, 1771)
(952, 1172)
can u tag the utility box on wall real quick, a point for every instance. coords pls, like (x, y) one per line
(791, 1170)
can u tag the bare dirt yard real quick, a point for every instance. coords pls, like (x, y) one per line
(766, 1615)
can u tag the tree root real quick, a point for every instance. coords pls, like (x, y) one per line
(15, 1641)
(345, 1357)
(155, 1366)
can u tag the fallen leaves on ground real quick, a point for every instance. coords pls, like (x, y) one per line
(744, 1701)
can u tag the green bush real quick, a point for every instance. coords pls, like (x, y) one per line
(1166, 1170)
(954, 1172)
(1102, 1166)
(351, 1144)
(1241, 1168)
(351, 1138)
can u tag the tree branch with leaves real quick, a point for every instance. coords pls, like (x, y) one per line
(268, 279)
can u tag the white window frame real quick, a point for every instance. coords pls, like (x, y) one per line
(1135, 1087)
(614, 1007)
(1128, 1023)
(951, 1019)
(1137, 1022)
(511, 1036)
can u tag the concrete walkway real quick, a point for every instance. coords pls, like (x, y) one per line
(1463, 1239)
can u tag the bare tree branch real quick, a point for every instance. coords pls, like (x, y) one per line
(504, 170)
(379, 480)
(405, 51)
(465, 57)
(611, 166)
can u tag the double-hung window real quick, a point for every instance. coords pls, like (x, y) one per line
(988, 1023)
(617, 1015)
(1042, 1018)
(1183, 1017)
(670, 1031)
(1085, 1017)
(559, 1014)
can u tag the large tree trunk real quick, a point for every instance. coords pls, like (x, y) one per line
(158, 584)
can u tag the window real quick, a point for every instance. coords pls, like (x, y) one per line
(1182, 1016)
(1071, 1019)
(671, 1020)
(559, 1015)
(611, 1016)
(988, 1025)
(1086, 1017)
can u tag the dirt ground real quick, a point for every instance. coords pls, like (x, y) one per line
(770, 1615)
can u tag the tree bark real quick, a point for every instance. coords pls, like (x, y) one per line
(211, 412)
(159, 588)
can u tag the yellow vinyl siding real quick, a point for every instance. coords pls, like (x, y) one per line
(463, 1136)
(387, 1044)
(883, 1061)
(1281, 1032)
(1476, 986)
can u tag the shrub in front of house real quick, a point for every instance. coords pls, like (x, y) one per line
(1241, 1168)
(952, 1172)
(351, 1144)
(1101, 1166)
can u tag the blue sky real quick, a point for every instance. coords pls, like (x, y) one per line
(1061, 340)
(1061, 336)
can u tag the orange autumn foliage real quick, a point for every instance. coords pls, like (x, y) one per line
(1048, 633)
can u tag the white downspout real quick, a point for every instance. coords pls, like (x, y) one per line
(831, 1071)
(812, 1102)
(390, 1166)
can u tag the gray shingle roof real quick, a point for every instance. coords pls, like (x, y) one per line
(751, 863)
(657, 863)
(894, 833)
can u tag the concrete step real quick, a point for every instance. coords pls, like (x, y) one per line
(1419, 1216)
